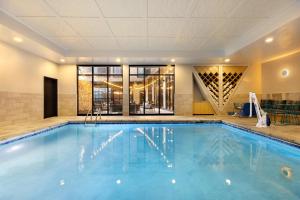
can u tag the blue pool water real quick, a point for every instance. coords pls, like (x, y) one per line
(148, 161)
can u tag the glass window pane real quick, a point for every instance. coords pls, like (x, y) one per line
(166, 94)
(84, 70)
(100, 94)
(151, 70)
(115, 88)
(137, 70)
(152, 94)
(133, 70)
(136, 95)
(118, 70)
(84, 94)
(100, 70)
(167, 69)
(106, 92)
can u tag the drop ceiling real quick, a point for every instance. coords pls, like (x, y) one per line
(146, 30)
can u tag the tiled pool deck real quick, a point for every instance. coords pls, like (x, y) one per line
(288, 133)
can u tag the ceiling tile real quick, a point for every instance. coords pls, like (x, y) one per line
(237, 27)
(75, 8)
(72, 43)
(160, 43)
(48, 26)
(214, 8)
(190, 44)
(183, 26)
(132, 43)
(170, 8)
(217, 43)
(128, 27)
(26, 7)
(261, 8)
(89, 26)
(123, 8)
(103, 43)
(201, 27)
(174, 44)
(165, 27)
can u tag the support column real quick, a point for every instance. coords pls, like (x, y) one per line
(183, 90)
(153, 93)
(147, 94)
(125, 90)
(164, 93)
(221, 87)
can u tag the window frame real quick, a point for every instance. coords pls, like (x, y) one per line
(144, 74)
(107, 75)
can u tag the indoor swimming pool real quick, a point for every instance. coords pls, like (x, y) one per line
(148, 161)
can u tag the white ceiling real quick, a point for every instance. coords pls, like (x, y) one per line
(154, 30)
(286, 42)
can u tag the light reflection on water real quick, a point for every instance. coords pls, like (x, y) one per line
(148, 161)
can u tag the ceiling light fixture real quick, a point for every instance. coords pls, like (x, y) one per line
(18, 39)
(62, 60)
(118, 60)
(173, 60)
(227, 60)
(269, 40)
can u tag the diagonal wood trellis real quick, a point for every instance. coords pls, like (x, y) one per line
(218, 83)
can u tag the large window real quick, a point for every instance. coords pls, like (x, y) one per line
(151, 90)
(100, 87)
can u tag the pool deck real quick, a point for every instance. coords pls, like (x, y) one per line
(288, 133)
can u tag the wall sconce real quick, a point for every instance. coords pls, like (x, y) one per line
(285, 73)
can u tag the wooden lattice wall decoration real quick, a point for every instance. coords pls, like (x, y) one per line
(211, 81)
(220, 81)
(230, 81)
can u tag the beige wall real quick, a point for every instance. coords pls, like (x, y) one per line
(21, 84)
(125, 90)
(21, 71)
(67, 89)
(274, 85)
(184, 90)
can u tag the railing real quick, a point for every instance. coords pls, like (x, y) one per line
(98, 112)
(90, 113)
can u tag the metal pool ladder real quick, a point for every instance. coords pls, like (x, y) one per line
(90, 113)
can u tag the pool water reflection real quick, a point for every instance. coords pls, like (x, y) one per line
(148, 161)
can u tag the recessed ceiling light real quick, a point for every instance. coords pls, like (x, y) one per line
(62, 60)
(173, 60)
(118, 60)
(18, 39)
(227, 60)
(269, 40)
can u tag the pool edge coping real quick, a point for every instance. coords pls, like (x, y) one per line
(262, 134)
(211, 121)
